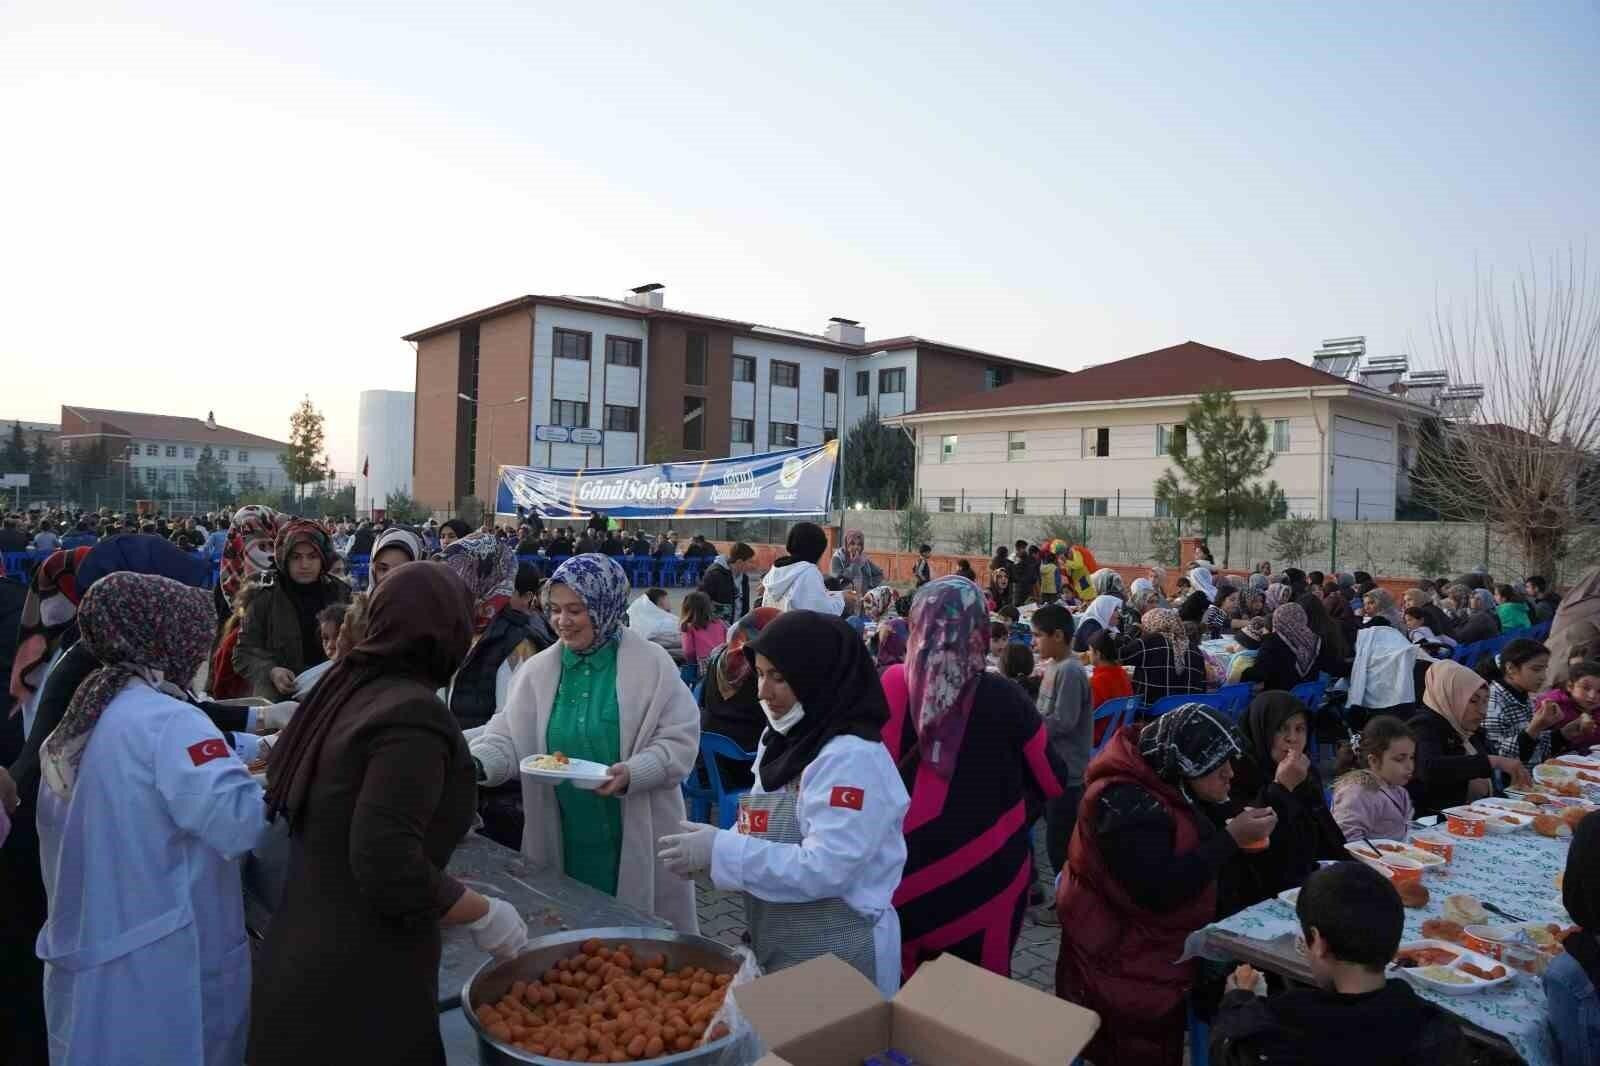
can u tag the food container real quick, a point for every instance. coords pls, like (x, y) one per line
(1465, 823)
(1524, 957)
(1399, 868)
(1491, 940)
(1437, 845)
(1463, 983)
(495, 978)
(1406, 871)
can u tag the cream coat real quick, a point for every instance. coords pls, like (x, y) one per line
(660, 739)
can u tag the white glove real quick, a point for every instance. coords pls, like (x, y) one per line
(688, 852)
(247, 746)
(277, 715)
(501, 932)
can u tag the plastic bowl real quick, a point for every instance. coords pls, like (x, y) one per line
(1466, 824)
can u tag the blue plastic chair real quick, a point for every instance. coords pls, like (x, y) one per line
(1310, 693)
(1238, 696)
(641, 570)
(1199, 1039)
(703, 797)
(1214, 700)
(1116, 714)
(690, 673)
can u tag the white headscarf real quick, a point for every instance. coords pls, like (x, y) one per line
(1200, 578)
(1103, 609)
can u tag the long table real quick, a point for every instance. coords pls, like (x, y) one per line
(1515, 871)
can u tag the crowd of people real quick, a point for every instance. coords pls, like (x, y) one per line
(899, 749)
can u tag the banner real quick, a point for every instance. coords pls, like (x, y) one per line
(795, 482)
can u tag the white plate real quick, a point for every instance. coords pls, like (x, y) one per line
(1556, 802)
(1289, 897)
(1515, 806)
(1498, 816)
(580, 773)
(1462, 955)
(1492, 825)
(1426, 859)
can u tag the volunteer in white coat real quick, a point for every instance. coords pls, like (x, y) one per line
(819, 848)
(143, 818)
(795, 583)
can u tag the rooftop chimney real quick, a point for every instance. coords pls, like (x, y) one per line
(211, 420)
(651, 295)
(846, 331)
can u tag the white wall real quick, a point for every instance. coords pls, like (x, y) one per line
(886, 404)
(594, 383)
(384, 441)
(767, 404)
(1364, 453)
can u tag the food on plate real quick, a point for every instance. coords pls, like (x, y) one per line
(1548, 825)
(1538, 799)
(1443, 928)
(1573, 815)
(1560, 880)
(1444, 975)
(1412, 893)
(1569, 788)
(604, 1005)
(1393, 848)
(1465, 910)
(1511, 819)
(1493, 974)
(554, 761)
(1411, 958)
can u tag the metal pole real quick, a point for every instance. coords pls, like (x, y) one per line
(1333, 546)
(1486, 547)
(1119, 503)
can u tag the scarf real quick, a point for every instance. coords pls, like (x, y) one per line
(1186, 742)
(1259, 582)
(1140, 586)
(489, 570)
(946, 653)
(419, 626)
(728, 663)
(247, 551)
(1107, 582)
(1580, 894)
(1447, 689)
(601, 583)
(1276, 596)
(47, 616)
(825, 663)
(894, 635)
(1200, 578)
(292, 532)
(1103, 610)
(878, 602)
(1289, 622)
(140, 626)
(402, 538)
(1164, 622)
(1259, 726)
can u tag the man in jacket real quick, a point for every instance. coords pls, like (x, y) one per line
(727, 582)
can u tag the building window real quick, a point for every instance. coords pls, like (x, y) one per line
(1016, 446)
(694, 424)
(569, 413)
(783, 435)
(743, 431)
(1163, 508)
(830, 381)
(863, 383)
(244, 456)
(947, 448)
(1015, 505)
(223, 454)
(1280, 434)
(151, 449)
(947, 505)
(622, 419)
(892, 379)
(172, 451)
(1097, 442)
(744, 368)
(188, 452)
(570, 344)
(1165, 435)
(694, 359)
(829, 434)
(1093, 507)
(622, 351)
(786, 375)
(996, 376)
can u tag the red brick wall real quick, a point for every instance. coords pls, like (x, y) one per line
(665, 390)
(434, 449)
(941, 375)
(505, 371)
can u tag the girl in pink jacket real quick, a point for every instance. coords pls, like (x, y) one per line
(1372, 800)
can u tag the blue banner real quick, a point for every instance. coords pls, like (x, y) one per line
(795, 482)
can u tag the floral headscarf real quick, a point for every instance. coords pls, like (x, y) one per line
(1277, 596)
(894, 635)
(248, 550)
(1187, 742)
(946, 653)
(878, 602)
(1291, 625)
(601, 583)
(140, 626)
(1164, 622)
(728, 663)
(294, 531)
(48, 611)
(1259, 582)
(490, 570)
(1107, 582)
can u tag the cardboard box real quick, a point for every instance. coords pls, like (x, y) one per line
(824, 1013)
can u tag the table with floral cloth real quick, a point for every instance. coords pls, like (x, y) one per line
(1514, 871)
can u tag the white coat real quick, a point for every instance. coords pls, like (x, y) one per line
(849, 854)
(798, 586)
(146, 959)
(1383, 674)
(660, 727)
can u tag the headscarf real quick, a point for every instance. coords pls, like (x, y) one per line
(419, 626)
(1323, 625)
(38, 638)
(489, 570)
(404, 539)
(806, 542)
(1482, 601)
(1580, 894)
(1387, 608)
(894, 636)
(1200, 578)
(1187, 742)
(878, 602)
(1259, 726)
(1447, 689)
(1259, 582)
(248, 550)
(1277, 595)
(140, 626)
(1107, 582)
(728, 663)
(1103, 609)
(945, 655)
(294, 531)
(1164, 622)
(601, 583)
(854, 534)
(825, 662)
(1290, 624)
(1140, 586)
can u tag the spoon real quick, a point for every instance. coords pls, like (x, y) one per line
(1492, 909)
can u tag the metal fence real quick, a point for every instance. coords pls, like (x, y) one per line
(1115, 505)
(175, 491)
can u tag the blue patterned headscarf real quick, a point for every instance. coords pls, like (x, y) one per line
(601, 583)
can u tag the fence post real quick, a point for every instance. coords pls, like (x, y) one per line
(991, 531)
(1084, 540)
(963, 501)
(1119, 503)
(1486, 547)
(1358, 503)
(1333, 546)
(1063, 501)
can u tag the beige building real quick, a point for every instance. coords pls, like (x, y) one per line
(1095, 441)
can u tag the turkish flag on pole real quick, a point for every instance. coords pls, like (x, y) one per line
(365, 463)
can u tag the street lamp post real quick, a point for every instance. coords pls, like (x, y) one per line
(491, 408)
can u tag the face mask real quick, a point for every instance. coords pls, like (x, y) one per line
(782, 724)
(56, 611)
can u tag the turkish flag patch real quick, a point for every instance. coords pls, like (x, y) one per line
(846, 796)
(752, 821)
(217, 748)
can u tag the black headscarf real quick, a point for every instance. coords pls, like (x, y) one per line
(1260, 724)
(1580, 894)
(1194, 608)
(806, 542)
(419, 625)
(826, 663)
(1187, 742)
(1323, 625)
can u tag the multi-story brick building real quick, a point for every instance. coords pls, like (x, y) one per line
(571, 382)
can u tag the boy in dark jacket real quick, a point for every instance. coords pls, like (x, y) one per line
(1351, 918)
(727, 582)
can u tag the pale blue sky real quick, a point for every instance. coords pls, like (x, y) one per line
(211, 206)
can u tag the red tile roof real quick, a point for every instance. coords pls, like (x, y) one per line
(161, 428)
(1181, 370)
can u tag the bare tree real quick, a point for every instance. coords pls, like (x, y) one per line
(1528, 461)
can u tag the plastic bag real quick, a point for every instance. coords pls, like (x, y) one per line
(745, 1047)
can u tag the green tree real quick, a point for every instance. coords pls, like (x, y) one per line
(14, 460)
(400, 507)
(1218, 458)
(41, 467)
(913, 526)
(470, 510)
(89, 469)
(877, 461)
(1295, 539)
(1433, 555)
(210, 480)
(302, 459)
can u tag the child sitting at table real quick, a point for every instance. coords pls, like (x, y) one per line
(1578, 700)
(1108, 680)
(1572, 981)
(1370, 799)
(1351, 918)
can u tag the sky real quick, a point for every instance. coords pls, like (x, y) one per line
(219, 206)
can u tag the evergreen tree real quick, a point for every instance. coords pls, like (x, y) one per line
(14, 459)
(877, 465)
(302, 460)
(41, 467)
(210, 480)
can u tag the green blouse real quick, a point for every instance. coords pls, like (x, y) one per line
(585, 724)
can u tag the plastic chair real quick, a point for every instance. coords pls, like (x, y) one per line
(1310, 693)
(1215, 700)
(1238, 695)
(1199, 1040)
(713, 794)
(1115, 714)
(641, 570)
(690, 673)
